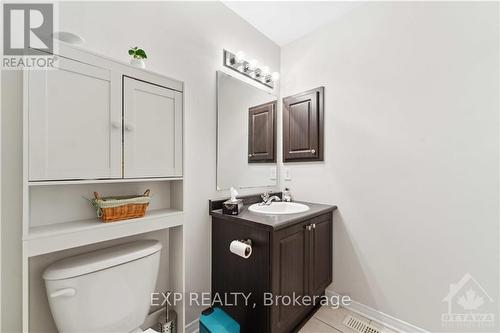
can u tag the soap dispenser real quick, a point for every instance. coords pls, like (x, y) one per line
(287, 196)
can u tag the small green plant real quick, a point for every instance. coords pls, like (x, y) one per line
(137, 53)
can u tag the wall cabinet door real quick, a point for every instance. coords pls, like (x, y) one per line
(303, 126)
(321, 250)
(262, 133)
(152, 130)
(290, 275)
(74, 122)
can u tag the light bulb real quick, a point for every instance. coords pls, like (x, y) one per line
(275, 76)
(265, 71)
(239, 56)
(252, 64)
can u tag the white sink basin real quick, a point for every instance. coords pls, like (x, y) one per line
(279, 208)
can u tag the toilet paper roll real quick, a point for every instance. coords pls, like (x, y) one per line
(241, 249)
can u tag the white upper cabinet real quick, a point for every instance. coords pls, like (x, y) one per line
(152, 141)
(95, 118)
(74, 122)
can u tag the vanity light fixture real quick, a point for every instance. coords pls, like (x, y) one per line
(237, 62)
(239, 56)
(252, 64)
(265, 71)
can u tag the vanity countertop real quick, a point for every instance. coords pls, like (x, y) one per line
(275, 222)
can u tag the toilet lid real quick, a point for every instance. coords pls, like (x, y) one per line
(101, 259)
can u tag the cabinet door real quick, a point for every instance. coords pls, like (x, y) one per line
(303, 126)
(321, 255)
(152, 130)
(290, 275)
(234, 274)
(74, 122)
(262, 133)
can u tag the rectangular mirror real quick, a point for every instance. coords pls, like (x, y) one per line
(246, 135)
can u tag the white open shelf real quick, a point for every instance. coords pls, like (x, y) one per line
(61, 236)
(59, 221)
(100, 181)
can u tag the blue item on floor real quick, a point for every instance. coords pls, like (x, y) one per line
(214, 320)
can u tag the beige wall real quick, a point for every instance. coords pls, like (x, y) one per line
(411, 150)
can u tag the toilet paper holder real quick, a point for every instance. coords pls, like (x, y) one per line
(242, 248)
(247, 241)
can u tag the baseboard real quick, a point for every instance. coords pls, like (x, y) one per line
(192, 327)
(380, 317)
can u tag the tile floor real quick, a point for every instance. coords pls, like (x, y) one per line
(329, 320)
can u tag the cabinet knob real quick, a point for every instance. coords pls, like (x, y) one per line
(116, 124)
(250, 155)
(314, 226)
(308, 227)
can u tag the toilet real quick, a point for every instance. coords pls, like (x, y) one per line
(107, 290)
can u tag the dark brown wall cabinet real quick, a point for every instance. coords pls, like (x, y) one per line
(262, 133)
(294, 260)
(303, 117)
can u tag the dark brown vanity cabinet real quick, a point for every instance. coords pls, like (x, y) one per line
(303, 118)
(302, 266)
(321, 272)
(262, 133)
(293, 261)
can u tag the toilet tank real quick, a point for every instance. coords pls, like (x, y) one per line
(107, 290)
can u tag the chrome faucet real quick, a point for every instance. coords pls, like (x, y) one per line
(265, 197)
(273, 198)
(266, 200)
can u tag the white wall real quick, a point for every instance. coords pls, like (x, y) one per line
(411, 150)
(11, 194)
(184, 40)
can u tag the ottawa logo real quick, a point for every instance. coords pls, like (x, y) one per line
(467, 305)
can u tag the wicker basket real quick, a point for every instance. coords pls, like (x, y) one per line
(111, 209)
